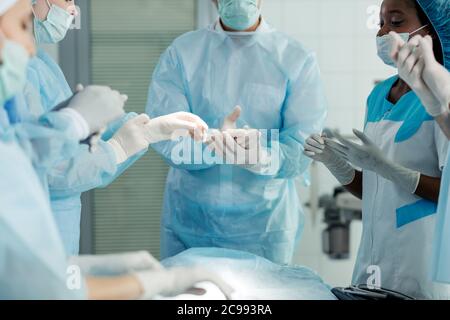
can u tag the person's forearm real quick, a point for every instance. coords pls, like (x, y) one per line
(113, 288)
(429, 188)
(355, 187)
(444, 122)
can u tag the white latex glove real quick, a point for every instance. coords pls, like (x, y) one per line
(176, 281)
(132, 138)
(175, 125)
(436, 76)
(230, 121)
(410, 64)
(115, 264)
(316, 149)
(98, 105)
(369, 157)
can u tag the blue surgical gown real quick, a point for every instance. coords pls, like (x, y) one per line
(441, 246)
(32, 258)
(277, 83)
(82, 171)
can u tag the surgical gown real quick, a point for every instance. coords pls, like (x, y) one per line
(32, 258)
(277, 83)
(82, 171)
(398, 226)
(438, 12)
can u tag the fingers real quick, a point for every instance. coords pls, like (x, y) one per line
(234, 116)
(192, 118)
(141, 119)
(397, 44)
(336, 147)
(361, 136)
(405, 52)
(417, 71)
(231, 119)
(315, 143)
(426, 45)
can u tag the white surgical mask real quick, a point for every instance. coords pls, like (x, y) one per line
(55, 27)
(13, 70)
(384, 46)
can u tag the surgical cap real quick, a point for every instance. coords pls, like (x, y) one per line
(438, 12)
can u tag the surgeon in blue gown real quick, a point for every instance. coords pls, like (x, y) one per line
(238, 60)
(45, 89)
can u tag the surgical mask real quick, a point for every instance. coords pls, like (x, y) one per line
(239, 14)
(384, 46)
(13, 70)
(55, 27)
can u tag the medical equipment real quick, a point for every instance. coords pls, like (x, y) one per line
(362, 292)
(340, 210)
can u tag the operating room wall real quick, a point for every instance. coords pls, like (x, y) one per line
(338, 31)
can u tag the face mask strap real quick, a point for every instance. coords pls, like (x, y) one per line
(421, 28)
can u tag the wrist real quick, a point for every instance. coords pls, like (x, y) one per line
(121, 155)
(79, 124)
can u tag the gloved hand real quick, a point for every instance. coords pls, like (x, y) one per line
(230, 121)
(98, 106)
(115, 264)
(436, 76)
(316, 149)
(176, 281)
(369, 157)
(215, 138)
(132, 138)
(411, 65)
(176, 125)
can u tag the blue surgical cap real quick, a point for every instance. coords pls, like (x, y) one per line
(438, 12)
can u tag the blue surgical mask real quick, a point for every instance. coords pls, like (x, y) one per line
(55, 27)
(239, 14)
(384, 46)
(13, 70)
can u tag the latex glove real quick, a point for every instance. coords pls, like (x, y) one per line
(176, 281)
(98, 106)
(132, 138)
(316, 149)
(175, 125)
(215, 139)
(243, 147)
(410, 68)
(368, 156)
(115, 264)
(436, 76)
(230, 121)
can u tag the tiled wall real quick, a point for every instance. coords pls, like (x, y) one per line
(337, 30)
